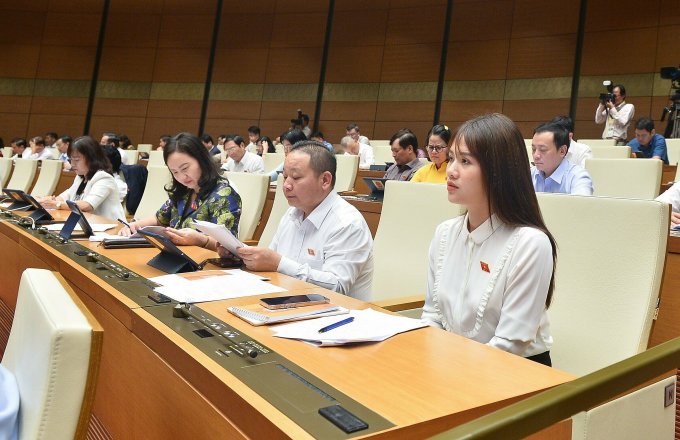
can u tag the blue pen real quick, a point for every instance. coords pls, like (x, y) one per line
(124, 223)
(337, 324)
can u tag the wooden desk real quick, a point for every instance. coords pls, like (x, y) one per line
(65, 181)
(156, 385)
(360, 186)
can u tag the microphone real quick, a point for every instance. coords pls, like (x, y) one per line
(184, 311)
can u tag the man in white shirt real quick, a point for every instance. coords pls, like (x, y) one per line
(241, 160)
(616, 115)
(578, 152)
(254, 138)
(352, 131)
(365, 152)
(51, 143)
(552, 172)
(62, 145)
(672, 197)
(38, 150)
(321, 239)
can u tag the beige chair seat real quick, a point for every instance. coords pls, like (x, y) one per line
(154, 192)
(53, 350)
(631, 178)
(272, 161)
(6, 165)
(23, 175)
(610, 152)
(346, 172)
(383, 154)
(50, 172)
(279, 208)
(253, 191)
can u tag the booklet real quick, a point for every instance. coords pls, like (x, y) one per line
(256, 314)
(219, 233)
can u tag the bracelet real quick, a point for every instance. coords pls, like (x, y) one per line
(207, 241)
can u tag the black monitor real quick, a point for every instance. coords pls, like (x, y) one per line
(25, 202)
(170, 259)
(76, 218)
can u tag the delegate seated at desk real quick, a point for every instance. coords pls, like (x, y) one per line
(197, 192)
(321, 239)
(404, 146)
(648, 143)
(438, 140)
(94, 188)
(491, 271)
(288, 139)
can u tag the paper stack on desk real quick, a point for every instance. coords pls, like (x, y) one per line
(368, 326)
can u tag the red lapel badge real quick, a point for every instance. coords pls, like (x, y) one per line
(485, 267)
(311, 252)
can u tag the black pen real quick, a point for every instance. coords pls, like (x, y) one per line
(125, 223)
(337, 324)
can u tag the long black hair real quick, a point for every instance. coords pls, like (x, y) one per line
(92, 152)
(192, 146)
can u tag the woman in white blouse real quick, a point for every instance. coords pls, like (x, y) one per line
(94, 189)
(492, 270)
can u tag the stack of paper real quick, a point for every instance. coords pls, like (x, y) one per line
(212, 285)
(255, 314)
(368, 326)
(219, 233)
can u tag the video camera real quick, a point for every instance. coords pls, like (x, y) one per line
(298, 120)
(609, 96)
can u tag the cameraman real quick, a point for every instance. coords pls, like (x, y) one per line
(616, 115)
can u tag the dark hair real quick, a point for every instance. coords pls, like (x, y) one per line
(352, 126)
(560, 134)
(52, 134)
(38, 140)
(66, 139)
(644, 124)
(305, 117)
(92, 152)
(254, 129)
(564, 121)
(166, 138)
(238, 140)
(206, 138)
(442, 131)
(320, 159)
(190, 145)
(19, 142)
(270, 145)
(496, 142)
(125, 141)
(406, 138)
(293, 136)
(113, 155)
(317, 134)
(622, 89)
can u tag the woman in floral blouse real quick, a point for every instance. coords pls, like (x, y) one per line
(197, 192)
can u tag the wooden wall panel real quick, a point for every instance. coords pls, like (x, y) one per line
(59, 105)
(542, 57)
(477, 60)
(216, 127)
(132, 30)
(411, 63)
(667, 53)
(385, 130)
(358, 29)
(66, 62)
(299, 29)
(124, 107)
(294, 65)
(19, 60)
(174, 108)
(624, 14)
(602, 56)
(60, 27)
(185, 31)
(284, 110)
(154, 128)
(245, 30)
(132, 126)
(398, 111)
(249, 110)
(181, 65)
(415, 25)
(15, 104)
(538, 111)
(347, 111)
(240, 65)
(127, 64)
(13, 125)
(335, 130)
(354, 64)
(27, 24)
(464, 110)
(39, 124)
(472, 20)
(536, 18)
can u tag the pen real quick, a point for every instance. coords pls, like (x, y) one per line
(337, 324)
(124, 222)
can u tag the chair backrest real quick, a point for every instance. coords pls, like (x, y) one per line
(346, 172)
(631, 178)
(279, 208)
(156, 159)
(154, 192)
(55, 153)
(639, 414)
(610, 151)
(379, 142)
(673, 150)
(50, 172)
(279, 148)
(382, 154)
(598, 142)
(144, 148)
(53, 350)
(272, 160)
(132, 156)
(5, 170)
(527, 142)
(402, 241)
(530, 154)
(23, 175)
(7, 152)
(610, 263)
(253, 191)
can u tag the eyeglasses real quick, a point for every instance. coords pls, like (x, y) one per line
(435, 148)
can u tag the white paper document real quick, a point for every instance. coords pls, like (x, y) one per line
(212, 285)
(219, 233)
(368, 326)
(96, 227)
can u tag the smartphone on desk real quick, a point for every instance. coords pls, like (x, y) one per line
(287, 302)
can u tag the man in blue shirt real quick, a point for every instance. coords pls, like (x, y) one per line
(647, 142)
(552, 171)
(318, 136)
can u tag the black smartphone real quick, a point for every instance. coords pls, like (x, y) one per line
(286, 302)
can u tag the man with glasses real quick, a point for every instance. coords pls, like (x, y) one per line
(352, 131)
(355, 148)
(404, 145)
(240, 160)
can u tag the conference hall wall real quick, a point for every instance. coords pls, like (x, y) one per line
(512, 56)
